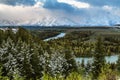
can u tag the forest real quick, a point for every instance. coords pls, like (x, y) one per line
(24, 55)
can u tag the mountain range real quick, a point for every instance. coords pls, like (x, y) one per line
(56, 21)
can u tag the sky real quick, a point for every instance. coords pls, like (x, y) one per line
(60, 12)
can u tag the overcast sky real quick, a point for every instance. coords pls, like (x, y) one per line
(80, 12)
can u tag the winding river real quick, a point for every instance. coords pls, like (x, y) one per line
(56, 37)
(110, 59)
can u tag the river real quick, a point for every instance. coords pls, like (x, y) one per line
(110, 59)
(56, 37)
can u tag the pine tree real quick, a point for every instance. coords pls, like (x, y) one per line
(99, 60)
(118, 64)
(23, 58)
(7, 57)
(56, 64)
(9, 34)
(23, 34)
(83, 63)
(2, 35)
(69, 56)
(36, 63)
(88, 67)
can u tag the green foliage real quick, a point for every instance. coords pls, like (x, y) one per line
(45, 33)
(23, 56)
(99, 60)
(74, 76)
(18, 77)
(118, 64)
(107, 73)
(71, 76)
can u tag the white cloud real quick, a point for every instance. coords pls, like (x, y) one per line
(75, 3)
(22, 13)
(28, 14)
(106, 7)
(112, 10)
(38, 14)
(38, 4)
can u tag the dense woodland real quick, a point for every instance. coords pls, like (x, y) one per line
(25, 56)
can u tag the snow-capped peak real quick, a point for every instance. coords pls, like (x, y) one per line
(45, 21)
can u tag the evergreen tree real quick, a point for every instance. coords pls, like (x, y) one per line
(2, 35)
(7, 57)
(99, 60)
(71, 61)
(56, 64)
(118, 64)
(24, 35)
(23, 58)
(36, 63)
(83, 63)
(88, 67)
(9, 34)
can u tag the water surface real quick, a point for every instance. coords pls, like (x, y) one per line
(110, 59)
(56, 37)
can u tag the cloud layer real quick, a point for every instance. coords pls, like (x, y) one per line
(18, 2)
(59, 12)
